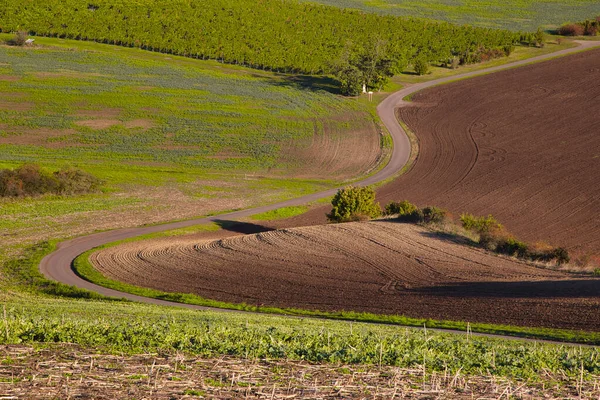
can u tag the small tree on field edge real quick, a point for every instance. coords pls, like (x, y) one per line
(421, 66)
(354, 203)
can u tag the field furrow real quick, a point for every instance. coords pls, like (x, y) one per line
(379, 266)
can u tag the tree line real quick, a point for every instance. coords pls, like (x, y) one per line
(278, 35)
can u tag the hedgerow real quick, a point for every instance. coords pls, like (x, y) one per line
(491, 234)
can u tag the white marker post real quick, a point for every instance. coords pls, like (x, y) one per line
(370, 96)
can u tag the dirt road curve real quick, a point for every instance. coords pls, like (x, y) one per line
(57, 266)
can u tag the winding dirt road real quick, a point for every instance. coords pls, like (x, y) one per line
(57, 265)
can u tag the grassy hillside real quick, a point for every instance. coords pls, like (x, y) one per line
(170, 137)
(516, 15)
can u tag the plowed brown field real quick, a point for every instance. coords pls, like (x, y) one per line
(380, 266)
(522, 144)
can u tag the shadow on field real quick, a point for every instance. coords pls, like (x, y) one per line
(450, 237)
(523, 289)
(307, 82)
(246, 228)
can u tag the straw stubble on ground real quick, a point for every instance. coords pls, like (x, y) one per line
(68, 371)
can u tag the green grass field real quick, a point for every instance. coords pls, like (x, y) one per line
(526, 15)
(171, 137)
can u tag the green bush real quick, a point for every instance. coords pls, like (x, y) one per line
(351, 81)
(421, 66)
(433, 215)
(596, 272)
(400, 208)
(539, 37)
(479, 225)
(512, 247)
(353, 204)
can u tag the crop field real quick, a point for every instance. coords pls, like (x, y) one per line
(525, 15)
(170, 137)
(378, 267)
(130, 348)
(520, 144)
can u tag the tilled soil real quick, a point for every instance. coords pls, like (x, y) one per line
(380, 266)
(521, 144)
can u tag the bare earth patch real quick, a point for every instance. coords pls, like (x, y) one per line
(98, 123)
(382, 267)
(139, 123)
(336, 152)
(108, 113)
(9, 78)
(16, 106)
(107, 123)
(34, 137)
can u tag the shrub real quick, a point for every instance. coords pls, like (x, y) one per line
(479, 225)
(512, 247)
(590, 30)
(414, 217)
(539, 37)
(400, 208)
(571, 30)
(354, 204)
(596, 272)
(508, 49)
(561, 255)
(20, 38)
(433, 215)
(454, 62)
(351, 81)
(421, 66)
(31, 180)
(75, 181)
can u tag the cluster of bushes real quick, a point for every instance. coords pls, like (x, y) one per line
(358, 203)
(588, 27)
(32, 180)
(408, 212)
(493, 236)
